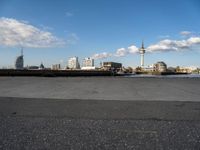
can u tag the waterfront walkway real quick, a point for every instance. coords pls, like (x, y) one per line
(102, 88)
(99, 113)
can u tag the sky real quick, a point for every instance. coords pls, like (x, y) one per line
(107, 30)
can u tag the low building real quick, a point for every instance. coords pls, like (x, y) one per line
(112, 66)
(73, 63)
(171, 69)
(88, 68)
(160, 67)
(41, 67)
(55, 67)
(32, 67)
(186, 69)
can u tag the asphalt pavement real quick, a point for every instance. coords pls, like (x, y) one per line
(99, 113)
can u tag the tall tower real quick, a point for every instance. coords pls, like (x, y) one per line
(19, 62)
(142, 52)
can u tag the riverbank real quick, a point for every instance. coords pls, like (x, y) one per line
(54, 73)
(160, 73)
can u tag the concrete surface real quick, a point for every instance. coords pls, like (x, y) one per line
(102, 88)
(99, 113)
(77, 124)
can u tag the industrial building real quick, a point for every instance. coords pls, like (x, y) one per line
(112, 66)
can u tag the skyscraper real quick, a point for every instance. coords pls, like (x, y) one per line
(19, 62)
(142, 52)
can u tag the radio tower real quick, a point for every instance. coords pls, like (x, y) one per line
(142, 52)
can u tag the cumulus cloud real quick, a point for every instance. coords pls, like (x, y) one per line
(185, 33)
(193, 40)
(174, 45)
(130, 50)
(101, 55)
(121, 52)
(133, 49)
(20, 33)
(164, 45)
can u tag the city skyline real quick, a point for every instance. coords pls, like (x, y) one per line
(105, 30)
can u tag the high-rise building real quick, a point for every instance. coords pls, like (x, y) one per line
(19, 62)
(142, 52)
(73, 63)
(88, 62)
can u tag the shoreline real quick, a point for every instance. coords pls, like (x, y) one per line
(84, 73)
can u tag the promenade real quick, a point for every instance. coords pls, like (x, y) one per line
(102, 88)
(99, 113)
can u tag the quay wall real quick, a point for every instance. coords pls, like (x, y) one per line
(54, 73)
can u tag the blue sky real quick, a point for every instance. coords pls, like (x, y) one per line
(108, 30)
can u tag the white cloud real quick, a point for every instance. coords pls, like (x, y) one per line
(121, 52)
(185, 33)
(174, 45)
(20, 33)
(101, 55)
(162, 46)
(133, 49)
(194, 40)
